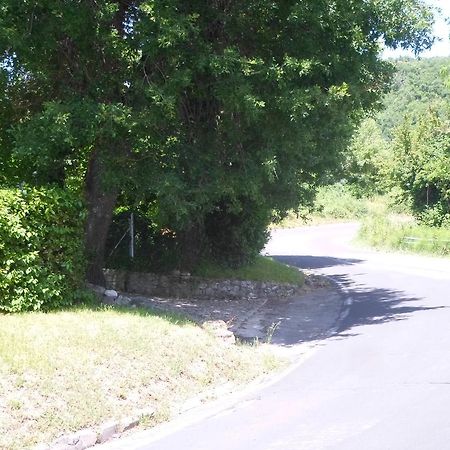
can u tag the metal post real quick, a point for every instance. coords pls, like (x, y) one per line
(131, 235)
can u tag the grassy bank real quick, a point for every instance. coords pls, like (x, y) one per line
(385, 232)
(336, 203)
(63, 371)
(263, 269)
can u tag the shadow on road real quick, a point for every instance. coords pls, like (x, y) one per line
(315, 262)
(371, 306)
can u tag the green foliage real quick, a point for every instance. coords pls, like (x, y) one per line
(234, 237)
(193, 107)
(338, 201)
(155, 246)
(367, 159)
(404, 150)
(422, 167)
(41, 248)
(382, 232)
(417, 86)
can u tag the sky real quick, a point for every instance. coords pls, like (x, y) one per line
(441, 29)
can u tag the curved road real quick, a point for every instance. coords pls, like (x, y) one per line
(382, 382)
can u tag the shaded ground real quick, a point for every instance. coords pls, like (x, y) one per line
(301, 318)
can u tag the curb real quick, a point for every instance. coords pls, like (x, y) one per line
(88, 437)
(346, 305)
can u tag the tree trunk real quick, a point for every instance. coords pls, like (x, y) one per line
(100, 205)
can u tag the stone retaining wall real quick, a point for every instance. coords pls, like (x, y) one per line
(183, 285)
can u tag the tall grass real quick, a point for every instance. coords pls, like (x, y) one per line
(387, 233)
(337, 203)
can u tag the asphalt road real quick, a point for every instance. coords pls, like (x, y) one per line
(382, 382)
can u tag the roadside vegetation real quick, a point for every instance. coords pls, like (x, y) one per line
(393, 233)
(395, 175)
(335, 203)
(262, 269)
(385, 224)
(66, 370)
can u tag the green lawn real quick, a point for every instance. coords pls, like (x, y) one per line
(263, 269)
(63, 371)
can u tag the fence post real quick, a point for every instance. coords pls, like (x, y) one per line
(131, 235)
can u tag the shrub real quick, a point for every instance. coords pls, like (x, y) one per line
(338, 202)
(41, 248)
(235, 234)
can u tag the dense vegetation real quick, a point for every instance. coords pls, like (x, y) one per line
(418, 85)
(207, 120)
(405, 152)
(41, 250)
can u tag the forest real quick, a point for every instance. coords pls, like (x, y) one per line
(206, 123)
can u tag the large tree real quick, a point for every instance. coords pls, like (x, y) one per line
(214, 110)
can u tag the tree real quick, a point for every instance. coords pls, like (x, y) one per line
(422, 167)
(367, 159)
(214, 111)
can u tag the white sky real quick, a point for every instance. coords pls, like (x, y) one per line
(441, 29)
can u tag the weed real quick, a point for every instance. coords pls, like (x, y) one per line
(270, 331)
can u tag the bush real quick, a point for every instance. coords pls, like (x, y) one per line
(337, 201)
(235, 236)
(41, 248)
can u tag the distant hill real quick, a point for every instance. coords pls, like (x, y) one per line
(417, 86)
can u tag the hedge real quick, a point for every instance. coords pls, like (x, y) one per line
(41, 248)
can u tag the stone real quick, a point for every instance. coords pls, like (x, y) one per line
(87, 437)
(100, 290)
(63, 447)
(76, 441)
(121, 300)
(127, 423)
(110, 293)
(106, 431)
(108, 300)
(219, 329)
(68, 440)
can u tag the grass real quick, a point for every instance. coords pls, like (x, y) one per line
(334, 204)
(63, 371)
(263, 269)
(388, 232)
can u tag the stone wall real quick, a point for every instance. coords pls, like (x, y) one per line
(183, 285)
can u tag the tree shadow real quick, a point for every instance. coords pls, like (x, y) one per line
(374, 306)
(136, 308)
(315, 262)
(370, 306)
